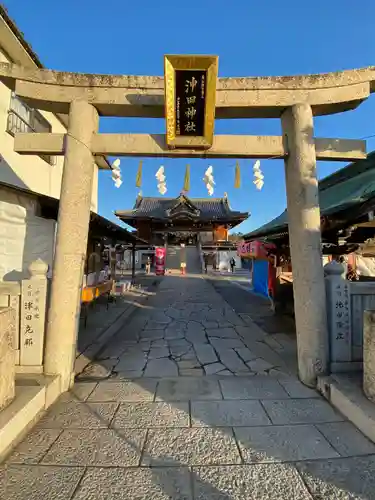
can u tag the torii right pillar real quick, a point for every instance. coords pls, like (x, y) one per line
(305, 243)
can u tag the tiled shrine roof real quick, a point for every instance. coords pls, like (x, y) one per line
(166, 208)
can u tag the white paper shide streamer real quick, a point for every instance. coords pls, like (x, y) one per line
(208, 179)
(162, 185)
(258, 176)
(116, 173)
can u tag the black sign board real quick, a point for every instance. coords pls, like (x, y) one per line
(190, 92)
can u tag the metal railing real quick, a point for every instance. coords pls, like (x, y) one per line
(35, 122)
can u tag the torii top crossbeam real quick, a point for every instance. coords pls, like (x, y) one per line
(143, 96)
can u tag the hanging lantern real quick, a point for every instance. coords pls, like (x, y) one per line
(186, 187)
(258, 176)
(237, 176)
(138, 179)
(208, 179)
(116, 173)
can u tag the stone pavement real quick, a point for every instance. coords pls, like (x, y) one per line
(191, 401)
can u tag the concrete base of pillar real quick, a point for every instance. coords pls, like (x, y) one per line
(344, 391)
(34, 394)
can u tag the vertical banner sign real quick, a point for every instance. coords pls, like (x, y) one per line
(190, 92)
(159, 260)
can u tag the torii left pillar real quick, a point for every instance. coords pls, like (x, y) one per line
(71, 244)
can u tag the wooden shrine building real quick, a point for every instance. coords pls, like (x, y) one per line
(181, 219)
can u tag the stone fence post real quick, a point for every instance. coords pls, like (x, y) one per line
(369, 354)
(338, 314)
(33, 315)
(7, 357)
(10, 295)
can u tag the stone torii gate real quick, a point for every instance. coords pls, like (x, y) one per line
(294, 99)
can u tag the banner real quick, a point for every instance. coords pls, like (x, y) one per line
(254, 249)
(160, 260)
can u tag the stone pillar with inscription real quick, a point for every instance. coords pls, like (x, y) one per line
(369, 354)
(33, 316)
(338, 314)
(305, 242)
(71, 243)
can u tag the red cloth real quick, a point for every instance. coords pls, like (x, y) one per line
(271, 279)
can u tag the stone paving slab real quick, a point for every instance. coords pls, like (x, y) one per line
(126, 375)
(161, 368)
(97, 371)
(104, 447)
(188, 389)
(79, 392)
(78, 415)
(301, 411)
(341, 479)
(19, 482)
(228, 413)
(245, 354)
(191, 372)
(158, 352)
(188, 363)
(251, 482)
(220, 344)
(205, 353)
(143, 415)
(124, 391)
(196, 336)
(282, 443)
(223, 333)
(190, 447)
(230, 359)
(259, 365)
(133, 360)
(33, 448)
(214, 368)
(347, 439)
(296, 389)
(157, 483)
(259, 387)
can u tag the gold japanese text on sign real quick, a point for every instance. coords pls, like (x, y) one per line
(190, 92)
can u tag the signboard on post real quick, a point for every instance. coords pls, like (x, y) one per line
(190, 93)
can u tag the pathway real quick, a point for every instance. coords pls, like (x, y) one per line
(191, 401)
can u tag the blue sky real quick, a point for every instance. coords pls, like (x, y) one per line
(251, 38)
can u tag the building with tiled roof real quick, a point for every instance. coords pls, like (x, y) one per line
(182, 217)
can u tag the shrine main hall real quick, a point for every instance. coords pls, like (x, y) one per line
(182, 219)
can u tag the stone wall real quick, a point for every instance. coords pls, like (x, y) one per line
(7, 356)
